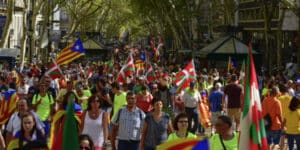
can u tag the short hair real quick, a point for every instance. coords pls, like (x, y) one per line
(274, 90)
(295, 103)
(83, 137)
(283, 88)
(144, 87)
(156, 99)
(233, 77)
(226, 120)
(181, 115)
(130, 93)
(116, 85)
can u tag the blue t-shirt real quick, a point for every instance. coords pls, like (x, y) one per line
(215, 99)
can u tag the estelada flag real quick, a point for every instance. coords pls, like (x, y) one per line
(8, 105)
(185, 144)
(70, 53)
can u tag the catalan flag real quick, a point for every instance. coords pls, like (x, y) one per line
(231, 64)
(7, 105)
(185, 144)
(70, 53)
(204, 114)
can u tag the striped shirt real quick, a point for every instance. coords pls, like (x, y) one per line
(130, 124)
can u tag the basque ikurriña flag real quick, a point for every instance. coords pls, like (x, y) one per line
(53, 71)
(70, 53)
(252, 134)
(128, 69)
(183, 78)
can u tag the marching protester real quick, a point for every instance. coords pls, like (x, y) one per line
(29, 135)
(156, 128)
(147, 108)
(95, 122)
(292, 123)
(127, 125)
(14, 123)
(271, 106)
(191, 99)
(233, 92)
(182, 127)
(43, 105)
(225, 137)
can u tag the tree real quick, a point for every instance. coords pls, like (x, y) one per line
(5, 33)
(296, 10)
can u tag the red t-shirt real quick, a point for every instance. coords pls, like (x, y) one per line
(144, 101)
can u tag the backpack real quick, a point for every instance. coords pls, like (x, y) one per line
(119, 113)
(267, 121)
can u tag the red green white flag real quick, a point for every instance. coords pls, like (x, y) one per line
(127, 70)
(150, 74)
(253, 134)
(53, 71)
(183, 78)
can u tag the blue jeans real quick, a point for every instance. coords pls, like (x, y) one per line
(128, 145)
(47, 127)
(273, 136)
(291, 138)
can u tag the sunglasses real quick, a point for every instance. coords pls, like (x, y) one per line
(85, 148)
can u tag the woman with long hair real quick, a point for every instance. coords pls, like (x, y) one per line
(156, 127)
(95, 122)
(86, 142)
(292, 123)
(29, 135)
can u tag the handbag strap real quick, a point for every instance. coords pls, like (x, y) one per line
(222, 142)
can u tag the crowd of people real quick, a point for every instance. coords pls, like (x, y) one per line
(139, 114)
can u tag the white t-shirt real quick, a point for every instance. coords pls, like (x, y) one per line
(23, 89)
(190, 99)
(14, 123)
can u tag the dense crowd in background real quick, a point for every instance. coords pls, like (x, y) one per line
(138, 114)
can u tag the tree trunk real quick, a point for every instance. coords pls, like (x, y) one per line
(279, 39)
(267, 58)
(298, 51)
(6, 30)
(24, 36)
(33, 47)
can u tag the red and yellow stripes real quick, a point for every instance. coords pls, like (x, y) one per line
(67, 55)
(7, 107)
